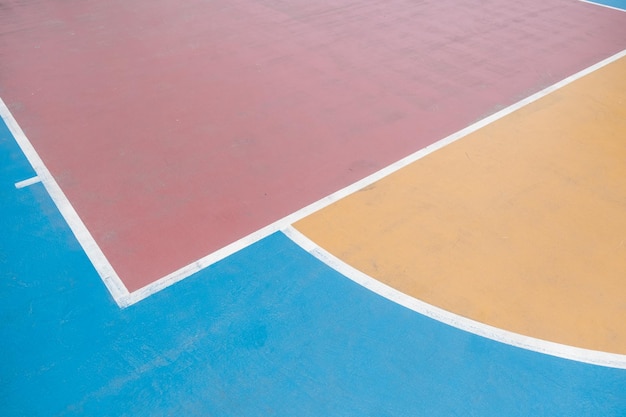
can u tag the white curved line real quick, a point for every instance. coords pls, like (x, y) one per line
(116, 287)
(594, 357)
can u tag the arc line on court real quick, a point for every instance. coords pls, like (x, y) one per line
(114, 284)
(594, 357)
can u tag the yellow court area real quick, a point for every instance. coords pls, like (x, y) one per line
(520, 225)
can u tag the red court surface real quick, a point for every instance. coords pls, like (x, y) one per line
(176, 129)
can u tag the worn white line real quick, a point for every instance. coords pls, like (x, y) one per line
(603, 5)
(27, 182)
(594, 357)
(101, 264)
(326, 201)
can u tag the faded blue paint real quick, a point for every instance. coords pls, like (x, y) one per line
(270, 331)
(619, 4)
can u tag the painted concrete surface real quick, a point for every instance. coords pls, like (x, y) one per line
(268, 332)
(231, 115)
(520, 225)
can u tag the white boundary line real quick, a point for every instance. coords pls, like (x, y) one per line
(594, 357)
(27, 182)
(326, 201)
(603, 5)
(91, 248)
(114, 283)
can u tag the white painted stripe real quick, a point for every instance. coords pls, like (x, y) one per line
(594, 357)
(603, 5)
(326, 201)
(26, 183)
(103, 267)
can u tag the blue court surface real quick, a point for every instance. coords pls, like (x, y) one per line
(270, 331)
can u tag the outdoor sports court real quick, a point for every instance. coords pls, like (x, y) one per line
(313, 208)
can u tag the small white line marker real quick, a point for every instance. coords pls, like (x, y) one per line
(612, 360)
(26, 183)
